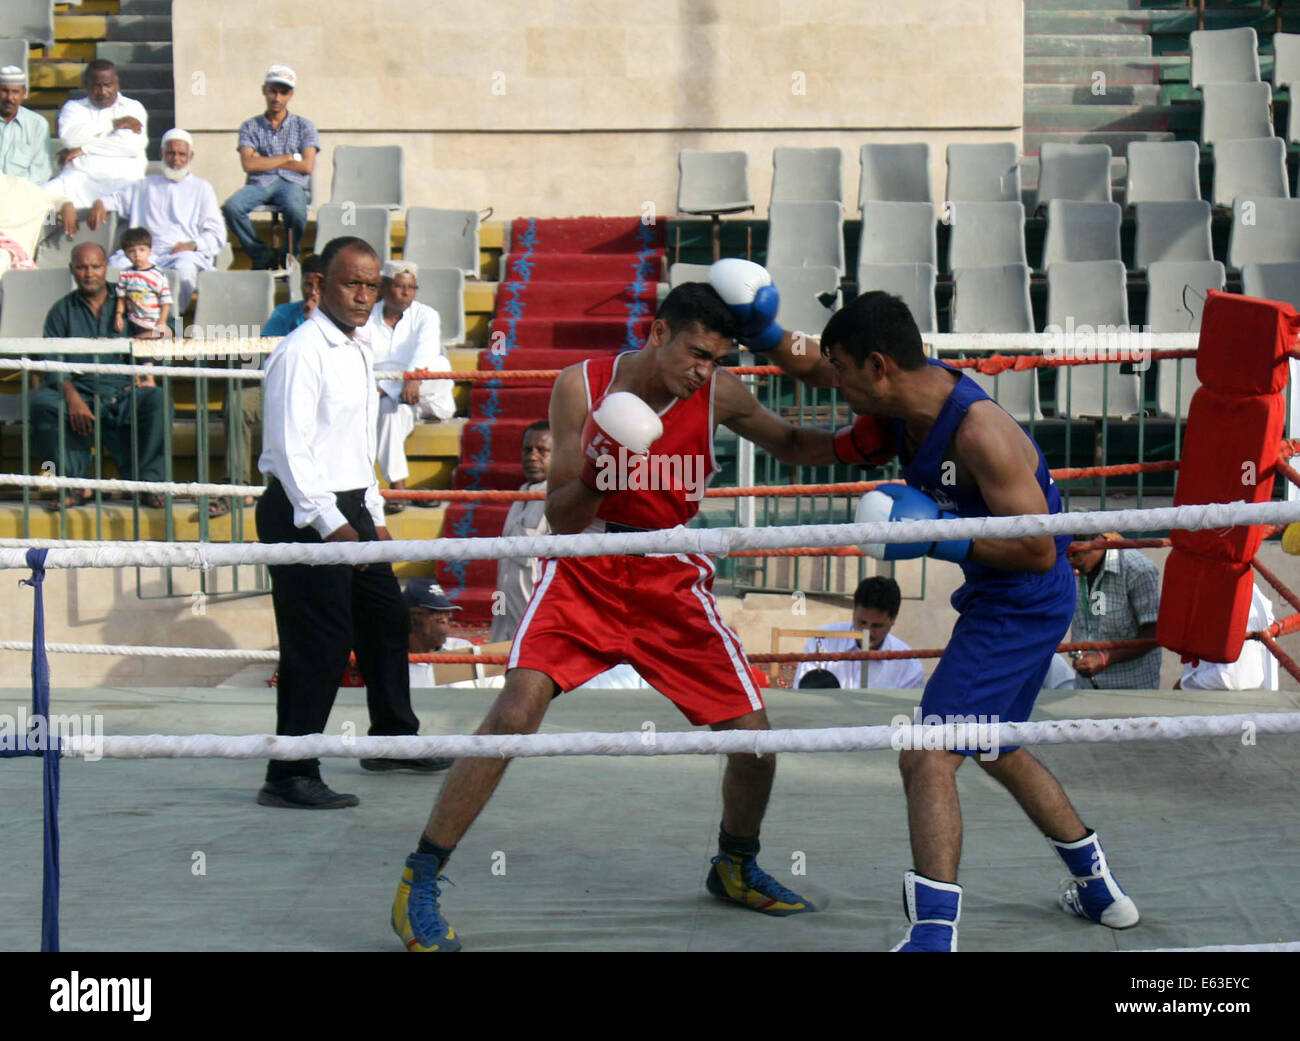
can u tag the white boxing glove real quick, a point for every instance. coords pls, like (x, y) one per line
(747, 289)
(619, 421)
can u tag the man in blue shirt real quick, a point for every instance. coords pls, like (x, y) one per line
(277, 150)
(24, 134)
(287, 317)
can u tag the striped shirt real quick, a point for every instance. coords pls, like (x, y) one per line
(294, 135)
(1114, 604)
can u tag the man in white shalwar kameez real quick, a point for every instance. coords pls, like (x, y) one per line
(104, 137)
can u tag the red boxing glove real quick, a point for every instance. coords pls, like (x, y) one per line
(868, 442)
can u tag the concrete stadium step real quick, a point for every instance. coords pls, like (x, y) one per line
(1100, 117)
(155, 7)
(135, 77)
(1118, 71)
(1090, 5)
(1178, 21)
(127, 52)
(146, 27)
(1118, 140)
(1111, 45)
(1039, 95)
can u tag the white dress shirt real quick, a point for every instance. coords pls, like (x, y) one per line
(413, 343)
(898, 673)
(109, 156)
(1254, 669)
(318, 430)
(517, 575)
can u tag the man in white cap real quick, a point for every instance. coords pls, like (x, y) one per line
(405, 335)
(104, 135)
(24, 134)
(277, 151)
(179, 209)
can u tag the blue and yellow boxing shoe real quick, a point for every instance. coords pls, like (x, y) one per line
(417, 918)
(739, 880)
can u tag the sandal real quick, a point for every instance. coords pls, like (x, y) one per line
(394, 506)
(218, 507)
(70, 502)
(155, 501)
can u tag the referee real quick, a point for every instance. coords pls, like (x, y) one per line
(319, 432)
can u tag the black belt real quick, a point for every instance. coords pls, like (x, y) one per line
(614, 528)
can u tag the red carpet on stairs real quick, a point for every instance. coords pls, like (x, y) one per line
(576, 288)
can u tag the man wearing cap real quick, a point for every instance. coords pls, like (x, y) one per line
(179, 209)
(405, 336)
(431, 613)
(104, 136)
(277, 150)
(24, 134)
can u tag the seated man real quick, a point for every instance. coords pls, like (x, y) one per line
(277, 150)
(104, 137)
(24, 134)
(88, 311)
(405, 336)
(875, 610)
(1118, 599)
(1254, 669)
(25, 209)
(288, 316)
(516, 576)
(431, 613)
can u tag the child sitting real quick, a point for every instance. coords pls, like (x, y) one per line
(144, 295)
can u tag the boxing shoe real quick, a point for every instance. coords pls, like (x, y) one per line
(1091, 890)
(739, 880)
(417, 918)
(934, 909)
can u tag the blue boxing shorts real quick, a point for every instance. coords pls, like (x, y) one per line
(1001, 648)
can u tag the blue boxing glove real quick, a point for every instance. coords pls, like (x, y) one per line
(747, 289)
(898, 502)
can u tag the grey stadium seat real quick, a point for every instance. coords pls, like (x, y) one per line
(985, 234)
(55, 249)
(443, 289)
(14, 52)
(1077, 172)
(1092, 294)
(1016, 392)
(1176, 293)
(679, 273)
(1236, 110)
(1162, 171)
(1286, 60)
(806, 234)
(369, 176)
(807, 175)
(30, 20)
(1080, 231)
(1176, 382)
(913, 282)
(894, 173)
(1224, 56)
(1253, 166)
(898, 233)
(802, 291)
(712, 183)
(992, 300)
(239, 298)
(983, 173)
(1264, 231)
(1171, 231)
(26, 297)
(372, 223)
(1272, 282)
(442, 238)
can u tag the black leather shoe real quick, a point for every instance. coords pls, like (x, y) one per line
(304, 793)
(419, 766)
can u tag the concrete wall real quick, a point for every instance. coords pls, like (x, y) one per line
(571, 107)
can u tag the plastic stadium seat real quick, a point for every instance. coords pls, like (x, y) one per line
(55, 250)
(27, 296)
(443, 289)
(985, 234)
(1264, 231)
(1253, 167)
(807, 175)
(806, 234)
(1093, 295)
(368, 176)
(1272, 282)
(1016, 392)
(983, 173)
(1162, 171)
(1224, 56)
(1077, 172)
(1236, 110)
(1080, 231)
(913, 282)
(31, 20)
(803, 291)
(894, 173)
(442, 238)
(1176, 382)
(14, 52)
(1172, 231)
(1176, 293)
(898, 233)
(992, 300)
(240, 298)
(372, 223)
(712, 183)
(679, 273)
(1286, 60)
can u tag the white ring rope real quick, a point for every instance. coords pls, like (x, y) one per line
(709, 742)
(125, 369)
(44, 483)
(717, 542)
(127, 650)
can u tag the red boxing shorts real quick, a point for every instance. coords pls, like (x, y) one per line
(657, 614)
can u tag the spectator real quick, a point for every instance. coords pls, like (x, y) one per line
(875, 610)
(1254, 669)
(287, 317)
(104, 136)
(277, 151)
(1119, 599)
(179, 209)
(88, 312)
(24, 134)
(431, 613)
(515, 575)
(24, 209)
(404, 334)
(820, 679)
(144, 296)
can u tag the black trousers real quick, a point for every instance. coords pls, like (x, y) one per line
(321, 613)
